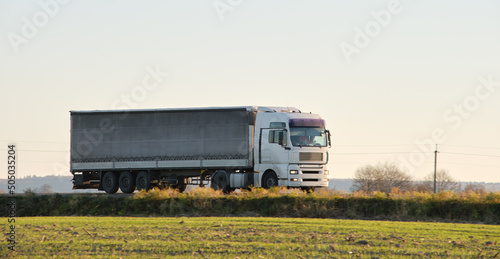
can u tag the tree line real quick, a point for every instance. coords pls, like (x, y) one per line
(386, 177)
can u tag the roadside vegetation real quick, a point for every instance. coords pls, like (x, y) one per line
(465, 207)
(243, 237)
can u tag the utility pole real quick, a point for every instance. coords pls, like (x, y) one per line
(435, 168)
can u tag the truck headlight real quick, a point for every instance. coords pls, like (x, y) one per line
(294, 172)
(327, 172)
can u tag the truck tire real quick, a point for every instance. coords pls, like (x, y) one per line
(269, 180)
(109, 183)
(127, 182)
(181, 184)
(180, 187)
(142, 181)
(220, 181)
(308, 189)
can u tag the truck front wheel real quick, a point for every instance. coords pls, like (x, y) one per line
(109, 183)
(127, 182)
(142, 181)
(308, 189)
(180, 187)
(269, 180)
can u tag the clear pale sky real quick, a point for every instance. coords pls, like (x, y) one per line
(386, 75)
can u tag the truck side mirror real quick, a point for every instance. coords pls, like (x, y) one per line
(282, 138)
(329, 138)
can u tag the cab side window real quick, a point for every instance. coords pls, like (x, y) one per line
(277, 136)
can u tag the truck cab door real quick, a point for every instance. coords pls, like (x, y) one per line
(274, 146)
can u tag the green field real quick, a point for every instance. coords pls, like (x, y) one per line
(245, 237)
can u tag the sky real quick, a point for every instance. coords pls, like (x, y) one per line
(391, 78)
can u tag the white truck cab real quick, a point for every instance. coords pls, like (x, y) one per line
(291, 149)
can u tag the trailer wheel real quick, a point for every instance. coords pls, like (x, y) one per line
(269, 180)
(127, 182)
(109, 183)
(220, 181)
(142, 181)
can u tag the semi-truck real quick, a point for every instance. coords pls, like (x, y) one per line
(224, 147)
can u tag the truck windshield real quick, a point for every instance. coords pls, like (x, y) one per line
(308, 132)
(308, 137)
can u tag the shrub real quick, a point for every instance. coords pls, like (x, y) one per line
(277, 202)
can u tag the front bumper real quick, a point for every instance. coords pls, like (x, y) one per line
(307, 176)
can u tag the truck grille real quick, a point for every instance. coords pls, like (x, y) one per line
(311, 156)
(310, 172)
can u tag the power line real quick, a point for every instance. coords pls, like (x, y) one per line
(378, 153)
(425, 163)
(30, 141)
(411, 145)
(332, 153)
(35, 162)
(468, 164)
(374, 145)
(468, 154)
(389, 153)
(29, 150)
(470, 147)
(350, 153)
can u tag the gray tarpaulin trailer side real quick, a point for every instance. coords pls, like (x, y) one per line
(172, 142)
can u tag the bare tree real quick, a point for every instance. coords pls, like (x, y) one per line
(383, 177)
(444, 182)
(30, 191)
(477, 188)
(365, 179)
(46, 188)
(423, 186)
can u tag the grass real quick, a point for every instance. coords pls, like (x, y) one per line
(244, 237)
